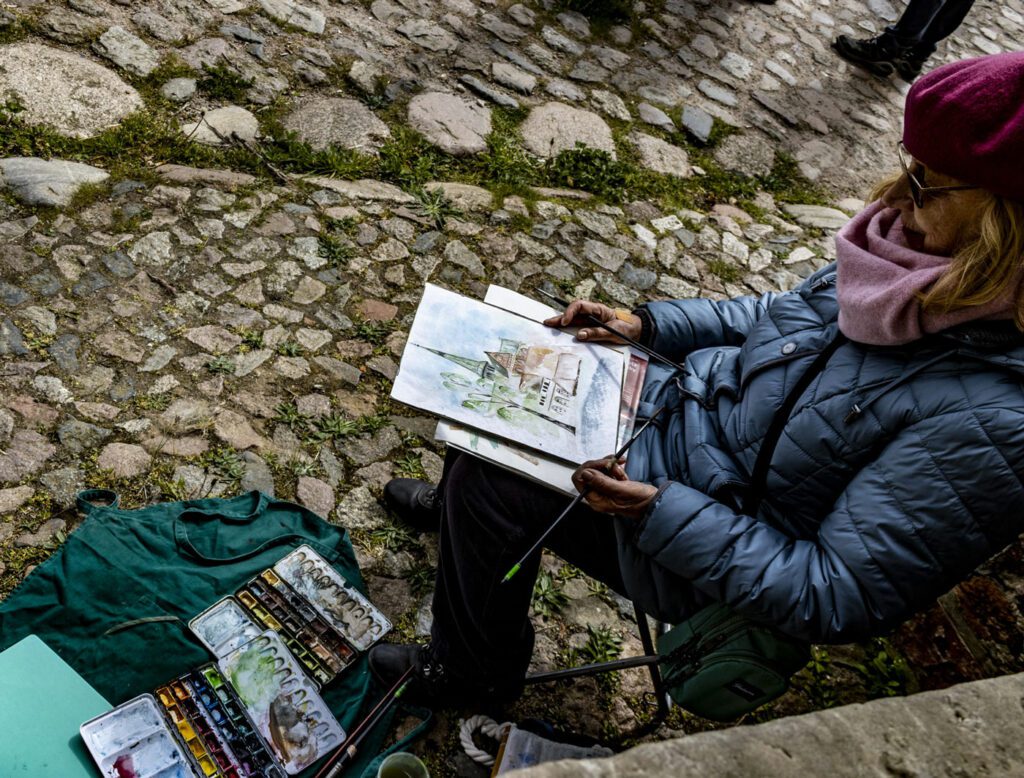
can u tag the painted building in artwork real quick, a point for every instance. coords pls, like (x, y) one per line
(550, 375)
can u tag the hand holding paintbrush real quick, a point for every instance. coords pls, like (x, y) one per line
(609, 325)
(610, 490)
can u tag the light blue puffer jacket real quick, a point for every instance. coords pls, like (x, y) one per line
(900, 469)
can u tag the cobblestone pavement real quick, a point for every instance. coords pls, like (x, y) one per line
(192, 303)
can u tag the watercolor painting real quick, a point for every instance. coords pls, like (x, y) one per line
(345, 608)
(510, 377)
(284, 704)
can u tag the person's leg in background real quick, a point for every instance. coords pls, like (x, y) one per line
(904, 46)
(482, 638)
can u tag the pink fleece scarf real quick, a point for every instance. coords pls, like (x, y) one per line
(880, 276)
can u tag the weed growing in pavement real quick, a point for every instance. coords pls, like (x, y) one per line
(374, 332)
(222, 82)
(224, 462)
(421, 579)
(591, 169)
(816, 681)
(337, 251)
(727, 272)
(290, 348)
(548, 597)
(603, 645)
(884, 672)
(410, 466)
(251, 339)
(222, 364)
(435, 205)
(152, 402)
(392, 537)
(334, 425)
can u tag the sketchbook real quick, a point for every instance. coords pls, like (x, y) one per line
(531, 464)
(511, 378)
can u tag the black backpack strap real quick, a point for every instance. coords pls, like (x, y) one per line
(759, 478)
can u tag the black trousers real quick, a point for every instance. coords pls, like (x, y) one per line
(481, 629)
(929, 21)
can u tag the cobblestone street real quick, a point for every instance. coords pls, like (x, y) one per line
(217, 218)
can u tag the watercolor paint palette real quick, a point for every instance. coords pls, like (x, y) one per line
(225, 626)
(268, 721)
(314, 642)
(334, 598)
(283, 702)
(134, 741)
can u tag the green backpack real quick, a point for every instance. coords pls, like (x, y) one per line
(720, 665)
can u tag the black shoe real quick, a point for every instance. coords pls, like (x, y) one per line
(433, 685)
(912, 59)
(875, 55)
(417, 503)
(884, 55)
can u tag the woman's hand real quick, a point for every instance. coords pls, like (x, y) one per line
(576, 316)
(610, 490)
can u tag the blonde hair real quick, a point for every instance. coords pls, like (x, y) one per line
(985, 267)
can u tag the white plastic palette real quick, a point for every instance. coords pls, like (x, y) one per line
(334, 598)
(283, 702)
(133, 740)
(224, 627)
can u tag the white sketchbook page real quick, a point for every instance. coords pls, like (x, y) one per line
(508, 455)
(548, 392)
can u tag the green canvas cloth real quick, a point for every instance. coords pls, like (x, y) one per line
(114, 601)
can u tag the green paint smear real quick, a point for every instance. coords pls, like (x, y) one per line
(253, 679)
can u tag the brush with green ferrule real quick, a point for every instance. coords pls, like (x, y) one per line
(578, 499)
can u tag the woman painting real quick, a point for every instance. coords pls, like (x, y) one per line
(874, 417)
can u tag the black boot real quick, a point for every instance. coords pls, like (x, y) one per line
(417, 503)
(434, 685)
(884, 54)
(912, 59)
(875, 55)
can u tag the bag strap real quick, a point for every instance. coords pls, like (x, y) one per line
(185, 545)
(87, 498)
(759, 477)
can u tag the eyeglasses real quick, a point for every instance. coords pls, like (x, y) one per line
(918, 192)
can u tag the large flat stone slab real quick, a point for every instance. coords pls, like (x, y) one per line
(222, 125)
(556, 127)
(70, 94)
(973, 729)
(46, 182)
(302, 16)
(127, 51)
(451, 123)
(338, 121)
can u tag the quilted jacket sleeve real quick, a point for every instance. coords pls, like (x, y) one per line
(940, 499)
(680, 326)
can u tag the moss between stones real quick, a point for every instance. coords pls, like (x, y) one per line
(152, 137)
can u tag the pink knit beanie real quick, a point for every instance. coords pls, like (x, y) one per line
(966, 120)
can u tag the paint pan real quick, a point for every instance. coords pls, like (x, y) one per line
(321, 650)
(334, 598)
(282, 702)
(224, 626)
(134, 741)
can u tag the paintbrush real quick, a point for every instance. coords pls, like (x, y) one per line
(579, 497)
(347, 751)
(634, 343)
